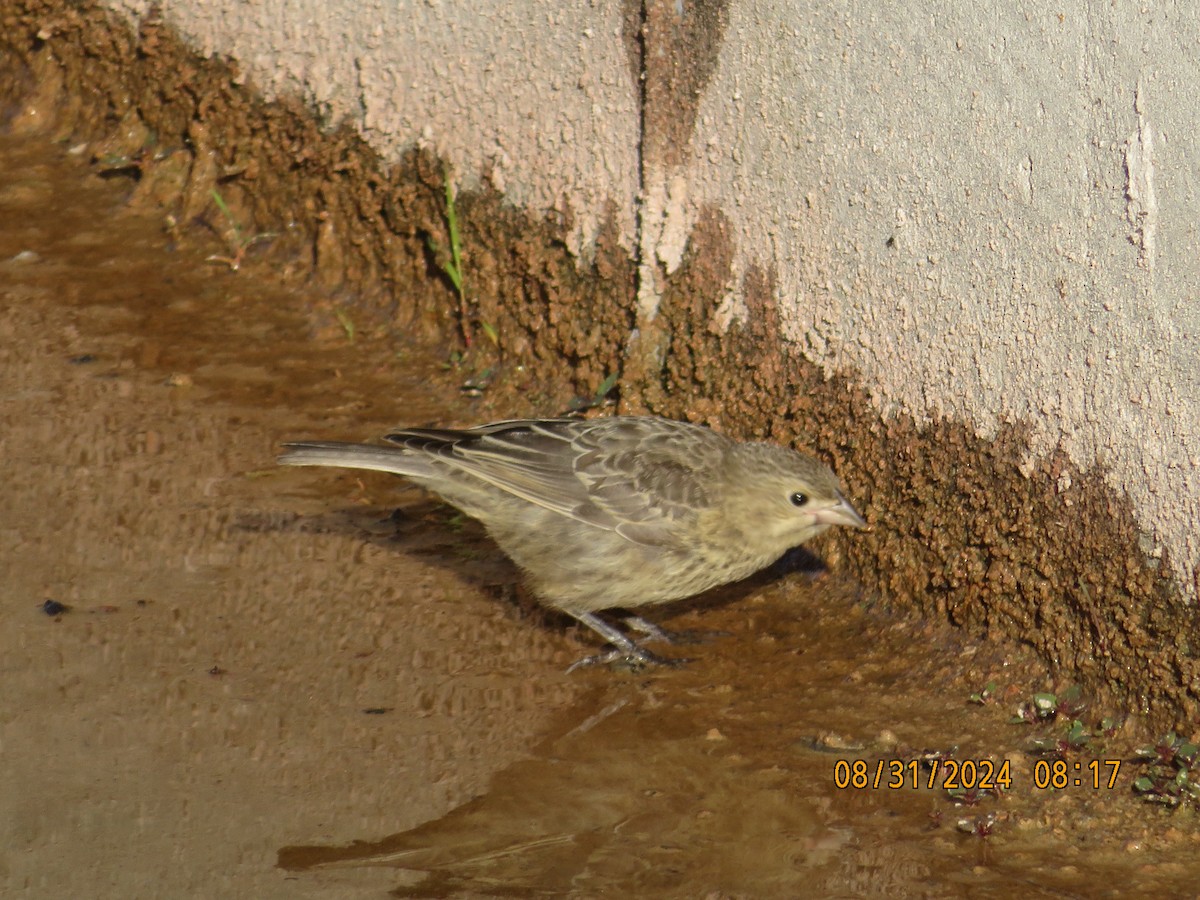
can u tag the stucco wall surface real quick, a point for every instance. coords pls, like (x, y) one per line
(989, 212)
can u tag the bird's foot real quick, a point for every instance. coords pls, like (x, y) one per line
(623, 652)
(633, 658)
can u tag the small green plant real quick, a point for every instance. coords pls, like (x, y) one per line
(1074, 739)
(237, 240)
(973, 796)
(984, 696)
(980, 826)
(1046, 707)
(451, 264)
(347, 324)
(605, 388)
(599, 398)
(1172, 776)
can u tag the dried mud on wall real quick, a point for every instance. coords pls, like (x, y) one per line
(179, 127)
(958, 531)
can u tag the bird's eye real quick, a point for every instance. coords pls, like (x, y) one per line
(798, 499)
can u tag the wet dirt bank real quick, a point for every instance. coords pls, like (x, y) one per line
(141, 391)
(967, 531)
(268, 683)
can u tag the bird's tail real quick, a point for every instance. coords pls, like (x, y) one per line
(396, 460)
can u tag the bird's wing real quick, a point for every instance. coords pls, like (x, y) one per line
(652, 477)
(643, 478)
(530, 458)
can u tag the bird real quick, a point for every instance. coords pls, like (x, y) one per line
(616, 512)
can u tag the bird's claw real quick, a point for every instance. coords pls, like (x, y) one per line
(634, 658)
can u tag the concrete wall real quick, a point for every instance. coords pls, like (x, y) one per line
(990, 215)
(987, 213)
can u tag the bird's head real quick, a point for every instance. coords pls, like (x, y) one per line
(782, 498)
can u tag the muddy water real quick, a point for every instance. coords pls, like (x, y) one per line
(306, 683)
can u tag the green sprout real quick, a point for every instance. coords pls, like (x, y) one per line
(984, 696)
(234, 236)
(605, 388)
(581, 404)
(347, 324)
(452, 265)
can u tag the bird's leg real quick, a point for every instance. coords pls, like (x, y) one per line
(609, 632)
(624, 650)
(649, 629)
(655, 633)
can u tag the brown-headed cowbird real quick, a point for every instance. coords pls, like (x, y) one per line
(617, 512)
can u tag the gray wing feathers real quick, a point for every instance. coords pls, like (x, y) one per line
(642, 478)
(528, 458)
(639, 477)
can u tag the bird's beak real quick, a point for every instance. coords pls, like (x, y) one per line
(841, 513)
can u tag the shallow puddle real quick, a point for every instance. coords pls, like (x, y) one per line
(313, 683)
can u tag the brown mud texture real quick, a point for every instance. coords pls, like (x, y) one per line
(960, 530)
(223, 679)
